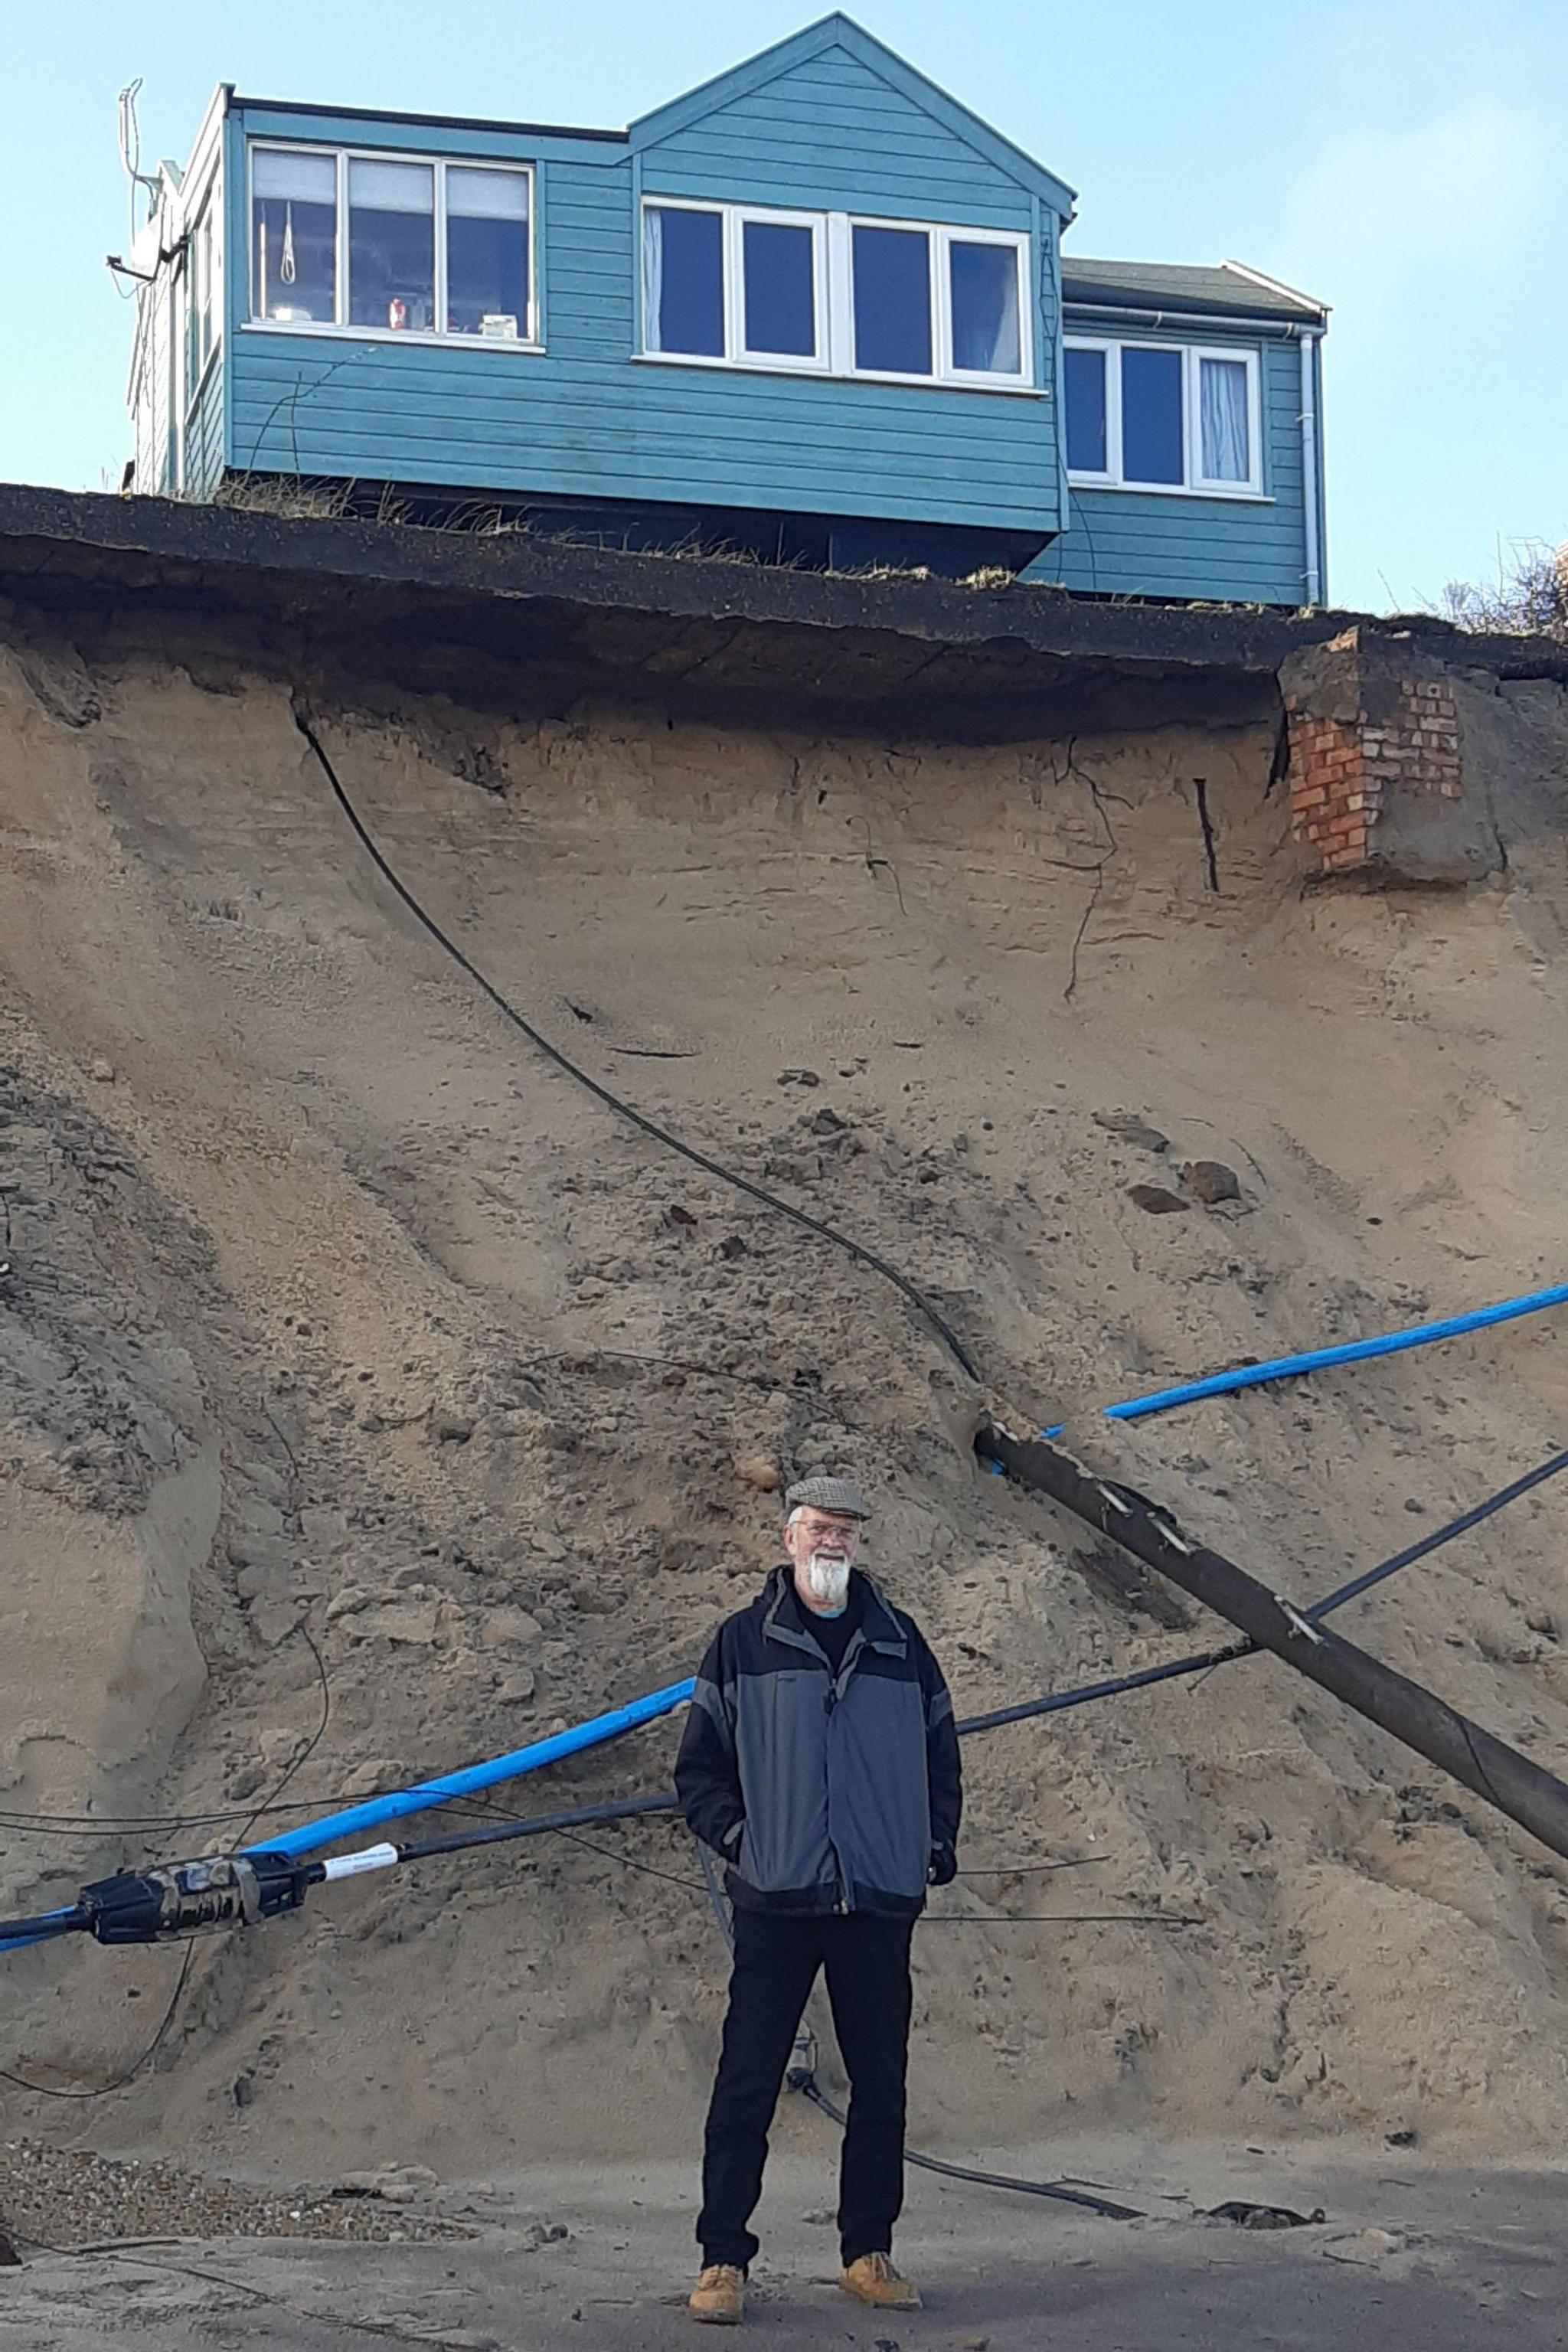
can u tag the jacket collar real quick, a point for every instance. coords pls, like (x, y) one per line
(783, 1619)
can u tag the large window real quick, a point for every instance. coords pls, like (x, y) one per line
(1162, 416)
(724, 282)
(736, 287)
(385, 245)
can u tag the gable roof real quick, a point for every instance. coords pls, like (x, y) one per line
(840, 32)
(1231, 290)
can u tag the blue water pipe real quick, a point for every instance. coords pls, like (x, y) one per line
(474, 1776)
(1353, 1352)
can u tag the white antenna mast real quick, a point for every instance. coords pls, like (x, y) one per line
(131, 153)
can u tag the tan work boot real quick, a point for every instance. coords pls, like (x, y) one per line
(873, 2279)
(720, 2296)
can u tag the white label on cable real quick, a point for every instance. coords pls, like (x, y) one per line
(369, 1857)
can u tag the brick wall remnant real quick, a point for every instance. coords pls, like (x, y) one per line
(1376, 769)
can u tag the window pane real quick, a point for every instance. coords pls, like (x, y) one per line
(1222, 406)
(683, 281)
(287, 172)
(781, 302)
(293, 234)
(984, 287)
(892, 300)
(1083, 374)
(1151, 416)
(487, 253)
(392, 245)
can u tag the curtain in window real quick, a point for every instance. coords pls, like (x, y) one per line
(1222, 403)
(984, 282)
(652, 278)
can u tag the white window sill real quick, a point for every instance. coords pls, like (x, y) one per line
(1170, 490)
(831, 375)
(319, 332)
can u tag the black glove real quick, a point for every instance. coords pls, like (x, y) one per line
(944, 1867)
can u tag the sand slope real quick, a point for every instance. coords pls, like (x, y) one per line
(331, 1305)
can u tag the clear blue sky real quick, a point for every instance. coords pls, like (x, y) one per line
(1404, 159)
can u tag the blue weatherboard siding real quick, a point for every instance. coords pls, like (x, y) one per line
(204, 436)
(821, 130)
(1142, 543)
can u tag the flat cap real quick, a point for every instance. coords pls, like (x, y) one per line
(827, 1495)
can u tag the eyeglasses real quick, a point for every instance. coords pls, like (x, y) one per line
(848, 1530)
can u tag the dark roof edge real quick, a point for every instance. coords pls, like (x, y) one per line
(160, 547)
(428, 121)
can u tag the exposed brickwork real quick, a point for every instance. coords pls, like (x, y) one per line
(1362, 745)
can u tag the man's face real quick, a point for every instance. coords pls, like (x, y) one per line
(824, 1535)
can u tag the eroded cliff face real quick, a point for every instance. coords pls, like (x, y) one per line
(331, 1305)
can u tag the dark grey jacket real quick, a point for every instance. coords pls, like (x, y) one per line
(822, 1793)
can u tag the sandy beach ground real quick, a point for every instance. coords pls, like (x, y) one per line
(1409, 2254)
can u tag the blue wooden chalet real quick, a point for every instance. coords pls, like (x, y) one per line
(815, 310)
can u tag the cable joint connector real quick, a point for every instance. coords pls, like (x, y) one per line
(1297, 1622)
(188, 1898)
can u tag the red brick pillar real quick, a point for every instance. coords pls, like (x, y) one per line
(1373, 734)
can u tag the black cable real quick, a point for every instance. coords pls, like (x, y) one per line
(1056, 1702)
(1200, 1661)
(45, 1924)
(1504, 1495)
(1060, 1919)
(102, 2090)
(1103, 2206)
(617, 1102)
(539, 1825)
(310, 1748)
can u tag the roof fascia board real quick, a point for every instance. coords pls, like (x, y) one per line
(839, 31)
(310, 109)
(1277, 286)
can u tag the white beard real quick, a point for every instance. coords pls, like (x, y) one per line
(827, 1574)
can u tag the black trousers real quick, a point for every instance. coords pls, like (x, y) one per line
(866, 1960)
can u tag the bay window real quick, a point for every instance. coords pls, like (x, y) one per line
(736, 286)
(391, 244)
(1162, 416)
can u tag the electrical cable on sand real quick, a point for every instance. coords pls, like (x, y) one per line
(862, 1255)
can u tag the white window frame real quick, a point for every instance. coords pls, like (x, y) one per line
(942, 236)
(736, 217)
(833, 259)
(733, 219)
(1195, 483)
(529, 337)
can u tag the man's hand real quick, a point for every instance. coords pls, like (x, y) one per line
(943, 1866)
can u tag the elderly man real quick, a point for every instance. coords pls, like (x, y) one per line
(820, 1761)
